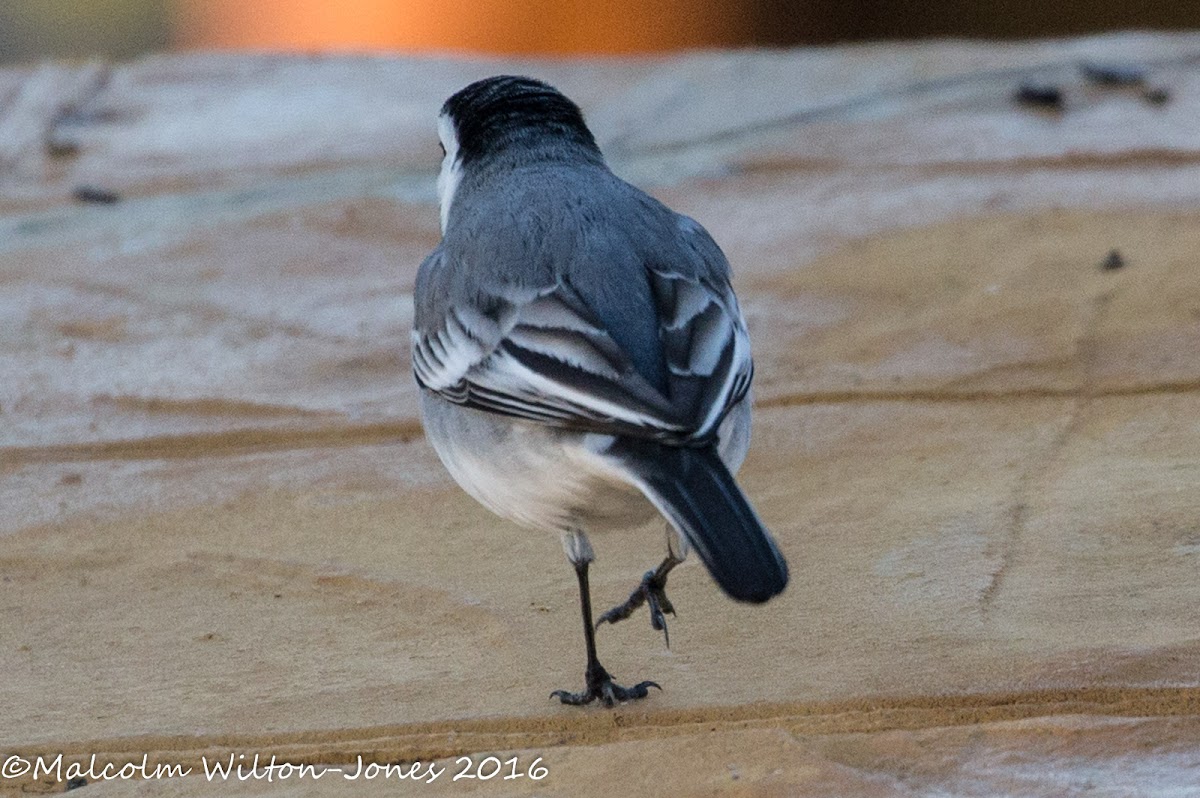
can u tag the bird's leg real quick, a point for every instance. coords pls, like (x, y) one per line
(652, 591)
(599, 683)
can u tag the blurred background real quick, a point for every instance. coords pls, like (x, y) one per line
(35, 29)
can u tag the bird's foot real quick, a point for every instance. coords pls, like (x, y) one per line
(652, 592)
(601, 686)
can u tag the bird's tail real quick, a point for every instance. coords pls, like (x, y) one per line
(698, 495)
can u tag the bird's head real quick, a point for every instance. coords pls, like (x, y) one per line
(508, 121)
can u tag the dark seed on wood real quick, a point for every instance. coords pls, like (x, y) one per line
(1113, 261)
(95, 195)
(1157, 96)
(1039, 95)
(58, 147)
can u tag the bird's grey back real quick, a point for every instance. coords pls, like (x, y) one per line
(529, 228)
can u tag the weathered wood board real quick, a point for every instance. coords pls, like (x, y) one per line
(979, 447)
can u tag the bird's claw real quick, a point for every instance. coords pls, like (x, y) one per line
(652, 591)
(601, 686)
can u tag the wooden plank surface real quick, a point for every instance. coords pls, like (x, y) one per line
(979, 447)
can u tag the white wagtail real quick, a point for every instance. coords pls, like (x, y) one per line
(583, 360)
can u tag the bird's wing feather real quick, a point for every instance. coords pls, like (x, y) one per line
(543, 355)
(705, 345)
(540, 356)
(705, 341)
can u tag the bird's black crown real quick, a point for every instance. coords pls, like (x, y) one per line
(506, 111)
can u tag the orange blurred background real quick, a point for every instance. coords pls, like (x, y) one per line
(31, 30)
(497, 26)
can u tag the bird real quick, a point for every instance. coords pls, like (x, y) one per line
(582, 360)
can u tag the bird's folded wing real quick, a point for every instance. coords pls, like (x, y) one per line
(542, 357)
(705, 345)
(545, 356)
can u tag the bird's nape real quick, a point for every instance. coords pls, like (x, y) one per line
(508, 110)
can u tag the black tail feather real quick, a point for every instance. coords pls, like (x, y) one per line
(698, 495)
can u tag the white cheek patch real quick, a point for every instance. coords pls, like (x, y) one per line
(451, 174)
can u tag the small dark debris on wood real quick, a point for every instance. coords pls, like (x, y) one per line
(59, 147)
(1157, 96)
(1113, 75)
(95, 195)
(1112, 261)
(1039, 95)
(75, 783)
